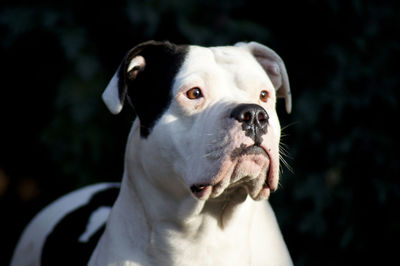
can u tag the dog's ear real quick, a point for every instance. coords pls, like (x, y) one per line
(145, 77)
(275, 68)
(115, 93)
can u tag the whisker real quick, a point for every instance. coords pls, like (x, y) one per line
(286, 164)
(207, 154)
(283, 144)
(290, 124)
(284, 147)
(280, 184)
(285, 153)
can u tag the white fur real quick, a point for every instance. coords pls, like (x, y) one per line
(156, 220)
(110, 96)
(137, 61)
(96, 220)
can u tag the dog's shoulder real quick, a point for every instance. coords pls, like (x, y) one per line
(67, 231)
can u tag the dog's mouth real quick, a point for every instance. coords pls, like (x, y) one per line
(250, 169)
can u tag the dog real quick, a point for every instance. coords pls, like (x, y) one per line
(201, 159)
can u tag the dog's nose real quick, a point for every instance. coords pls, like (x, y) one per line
(254, 120)
(251, 115)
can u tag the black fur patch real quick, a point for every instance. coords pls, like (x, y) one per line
(62, 246)
(149, 89)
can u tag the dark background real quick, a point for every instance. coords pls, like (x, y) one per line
(339, 205)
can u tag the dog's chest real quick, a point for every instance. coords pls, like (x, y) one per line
(209, 248)
(207, 243)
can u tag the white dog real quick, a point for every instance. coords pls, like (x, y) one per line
(200, 161)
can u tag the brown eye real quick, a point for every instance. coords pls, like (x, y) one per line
(194, 93)
(264, 96)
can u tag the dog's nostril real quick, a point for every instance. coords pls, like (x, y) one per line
(247, 117)
(262, 117)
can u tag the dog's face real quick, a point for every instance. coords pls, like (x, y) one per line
(206, 115)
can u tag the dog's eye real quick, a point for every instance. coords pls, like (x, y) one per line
(264, 95)
(194, 93)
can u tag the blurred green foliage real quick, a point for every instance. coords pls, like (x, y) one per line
(339, 206)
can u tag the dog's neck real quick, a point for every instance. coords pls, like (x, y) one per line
(180, 225)
(168, 221)
(177, 207)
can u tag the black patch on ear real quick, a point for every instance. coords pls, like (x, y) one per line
(62, 246)
(150, 89)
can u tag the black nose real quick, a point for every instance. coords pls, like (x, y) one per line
(254, 120)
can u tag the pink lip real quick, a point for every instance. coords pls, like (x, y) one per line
(271, 172)
(201, 191)
(204, 191)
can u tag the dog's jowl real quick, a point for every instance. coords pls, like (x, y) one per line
(201, 161)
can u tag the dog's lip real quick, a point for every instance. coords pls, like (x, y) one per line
(270, 173)
(201, 191)
(253, 149)
(205, 190)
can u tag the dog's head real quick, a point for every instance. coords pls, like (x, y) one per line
(205, 115)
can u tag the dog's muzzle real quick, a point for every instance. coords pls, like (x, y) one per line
(258, 187)
(253, 120)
